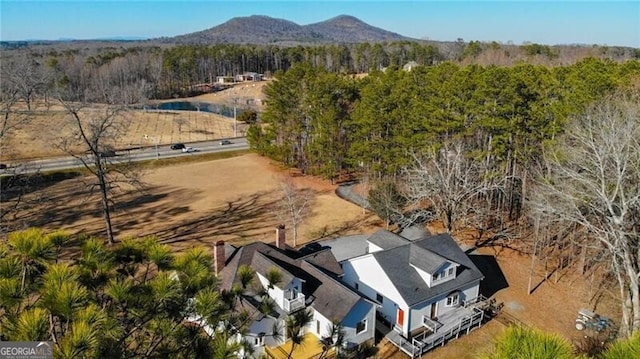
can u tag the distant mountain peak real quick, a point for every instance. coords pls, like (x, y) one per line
(345, 17)
(261, 29)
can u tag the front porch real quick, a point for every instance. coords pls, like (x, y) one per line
(447, 327)
(310, 348)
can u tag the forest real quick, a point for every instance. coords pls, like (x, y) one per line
(157, 71)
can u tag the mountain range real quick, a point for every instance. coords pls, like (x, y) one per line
(261, 30)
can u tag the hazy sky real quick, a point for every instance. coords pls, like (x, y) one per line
(546, 22)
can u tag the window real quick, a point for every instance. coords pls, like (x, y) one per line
(379, 298)
(452, 299)
(444, 274)
(259, 340)
(318, 326)
(361, 327)
(356, 285)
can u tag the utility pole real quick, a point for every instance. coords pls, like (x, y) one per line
(235, 122)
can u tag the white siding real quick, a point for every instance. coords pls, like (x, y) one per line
(325, 325)
(372, 280)
(363, 310)
(373, 248)
(445, 269)
(275, 293)
(424, 275)
(424, 308)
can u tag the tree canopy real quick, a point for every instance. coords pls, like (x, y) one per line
(134, 299)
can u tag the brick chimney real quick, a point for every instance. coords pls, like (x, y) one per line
(219, 257)
(280, 236)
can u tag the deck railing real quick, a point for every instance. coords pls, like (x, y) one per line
(430, 323)
(422, 343)
(291, 305)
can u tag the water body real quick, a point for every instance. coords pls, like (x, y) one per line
(219, 109)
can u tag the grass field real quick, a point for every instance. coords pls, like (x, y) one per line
(45, 131)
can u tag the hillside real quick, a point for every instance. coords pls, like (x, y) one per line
(349, 29)
(260, 30)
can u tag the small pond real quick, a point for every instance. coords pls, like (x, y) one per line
(219, 109)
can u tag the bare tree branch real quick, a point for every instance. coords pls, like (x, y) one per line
(448, 181)
(594, 182)
(293, 207)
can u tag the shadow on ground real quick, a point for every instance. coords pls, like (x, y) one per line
(494, 280)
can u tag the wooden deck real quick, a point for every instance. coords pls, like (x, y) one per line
(452, 325)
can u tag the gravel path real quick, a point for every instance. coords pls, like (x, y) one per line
(346, 192)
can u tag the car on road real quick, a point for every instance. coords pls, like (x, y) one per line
(225, 142)
(178, 146)
(107, 153)
(189, 149)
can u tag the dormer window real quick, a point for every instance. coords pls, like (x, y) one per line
(445, 274)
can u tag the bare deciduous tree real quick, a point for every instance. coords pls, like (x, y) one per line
(180, 122)
(21, 80)
(293, 207)
(26, 77)
(447, 180)
(96, 129)
(12, 116)
(593, 182)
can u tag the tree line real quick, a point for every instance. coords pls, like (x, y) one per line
(167, 71)
(326, 123)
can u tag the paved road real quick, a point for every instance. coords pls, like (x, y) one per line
(139, 154)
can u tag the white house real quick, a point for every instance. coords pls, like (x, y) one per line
(308, 280)
(418, 285)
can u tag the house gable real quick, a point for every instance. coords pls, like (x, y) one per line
(366, 270)
(262, 265)
(419, 270)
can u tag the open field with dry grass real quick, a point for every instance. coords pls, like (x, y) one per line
(231, 199)
(42, 135)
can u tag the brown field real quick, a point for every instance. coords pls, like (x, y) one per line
(43, 133)
(234, 199)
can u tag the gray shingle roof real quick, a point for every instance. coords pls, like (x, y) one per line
(318, 270)
(244, 255)
(424, 259)
(387, 240)
(396, 264)
(415, 232)
(262, 264)
(332, 299)
(326, 260)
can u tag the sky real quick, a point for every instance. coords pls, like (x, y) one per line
(610, 23)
